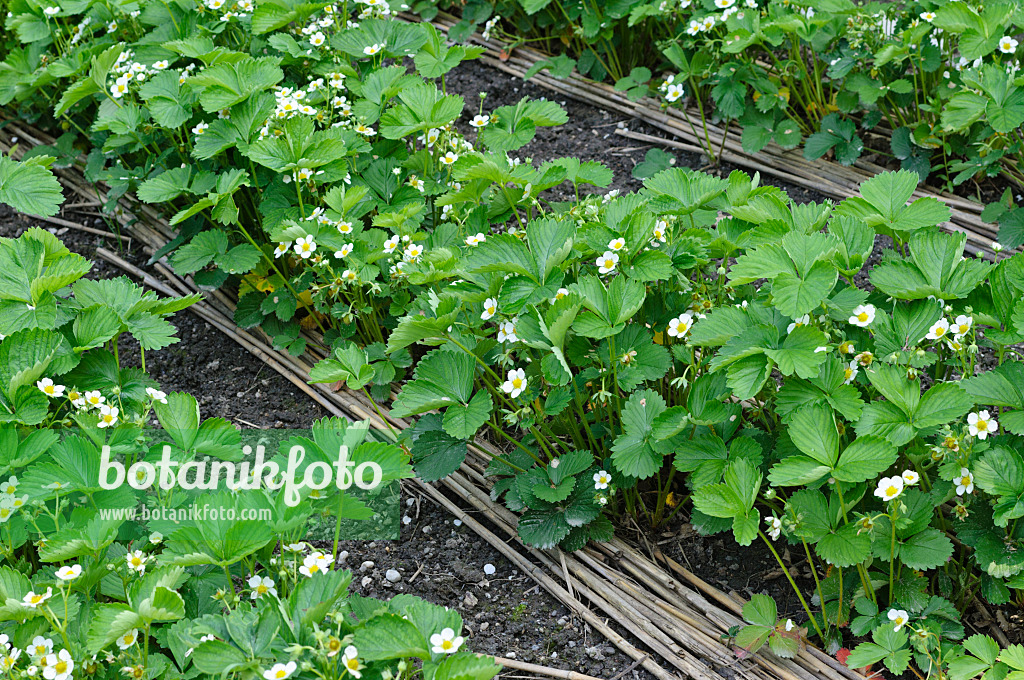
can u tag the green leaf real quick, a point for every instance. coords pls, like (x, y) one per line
(223, 85)
(29, 186)
(436, 454)
(389, 636)
(926, 550)
(813, 431)
(462, 422)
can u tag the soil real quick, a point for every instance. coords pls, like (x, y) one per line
(589, 135)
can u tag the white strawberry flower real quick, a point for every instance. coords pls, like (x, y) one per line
(964, 483)
(156, 395)
(559, 294)
(863, 315)
(981, 424)
(280, 671)
(40, 647)
(413, 252)
(317, 39)
(928, 16)
(774, 527)
(1007, 45)
(490, 308)
(350, 276)
(961, 326)
(33, 599)
(128, 639)
(910, 477)
(391, 244)
(475, 239)
(58, 666)
(899, 617)
(449, 157)
(680, 326)
(280, 250)
(345, 251)
(305, 246)
(10, 487)
(373, 49)
(889, 488)
(675, 92)
(938, 330)
(51, 11)
(344, 227)
(350, 660)
(69, 572)
(480, 121)
(516, 382)
(607, 262)
(445, 642)
(200, 128)
(260, 587)
(47, 387)
(108, 416)
(507, 332)
(802, 321)
(850, 372)
(660, 229)
(617, 244)
(137, 561)
(601, 480)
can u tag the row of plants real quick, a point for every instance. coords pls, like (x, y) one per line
(933, 86)
(94, 586)
(704, 344)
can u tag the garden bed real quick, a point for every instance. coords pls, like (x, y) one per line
(543, 342)
(437, 557)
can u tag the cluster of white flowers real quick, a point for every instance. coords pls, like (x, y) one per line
(10, 501)
(127, 72)
(41, 657)
(489, 27)
(890, 488)
(316, 563)
(951, 333)
(238, 10)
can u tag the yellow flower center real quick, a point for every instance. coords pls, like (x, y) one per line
(862, 317)
(982, 425)
(61, 667)
(517, 383)
(891, 491)
(447, 644)
(352, 663)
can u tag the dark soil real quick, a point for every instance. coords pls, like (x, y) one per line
(589, 135)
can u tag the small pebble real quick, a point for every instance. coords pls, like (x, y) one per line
(366, 565)
(489, 569)
(393, 575)
(457, 522)
(366, 581)
(510, 655)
